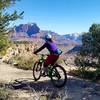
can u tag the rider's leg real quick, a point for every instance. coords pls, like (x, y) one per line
(50, 60)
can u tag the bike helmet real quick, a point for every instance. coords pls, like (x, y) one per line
(48, 36)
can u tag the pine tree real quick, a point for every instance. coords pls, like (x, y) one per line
(5, 20)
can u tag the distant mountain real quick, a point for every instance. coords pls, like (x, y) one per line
(27, 28)
(74, 36)
(32, 32)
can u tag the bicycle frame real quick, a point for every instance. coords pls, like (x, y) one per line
(42, 59)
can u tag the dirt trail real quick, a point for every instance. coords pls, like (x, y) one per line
(9, 73)
(75, 89)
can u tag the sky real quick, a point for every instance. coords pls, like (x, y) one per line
(60, 16)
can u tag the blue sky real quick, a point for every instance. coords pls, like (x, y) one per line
(61, 16)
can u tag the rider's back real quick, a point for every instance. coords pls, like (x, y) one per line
(51, 46)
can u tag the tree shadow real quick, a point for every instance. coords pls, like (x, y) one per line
(74, 88)
(30, 83)
(45, 88)
(21, 83)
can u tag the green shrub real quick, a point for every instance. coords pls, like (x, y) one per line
(23, 62)
(84, 68)
(26, 64)
(4, 93)
(82, 64)
(91, 75)
(4, 45)
(3, 52)
(97, 74)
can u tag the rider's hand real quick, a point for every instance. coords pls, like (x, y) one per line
(34, 53)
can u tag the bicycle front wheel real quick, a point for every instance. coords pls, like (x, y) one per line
(58, 76)
(37, 70)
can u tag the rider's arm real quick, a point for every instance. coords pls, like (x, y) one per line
(41, 48)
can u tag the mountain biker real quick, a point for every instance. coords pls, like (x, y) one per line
(52, 48)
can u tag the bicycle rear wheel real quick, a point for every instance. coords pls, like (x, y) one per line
(58, 76)
(37, 68)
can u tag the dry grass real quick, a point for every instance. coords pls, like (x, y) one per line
(21, 55)
(25, 62)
